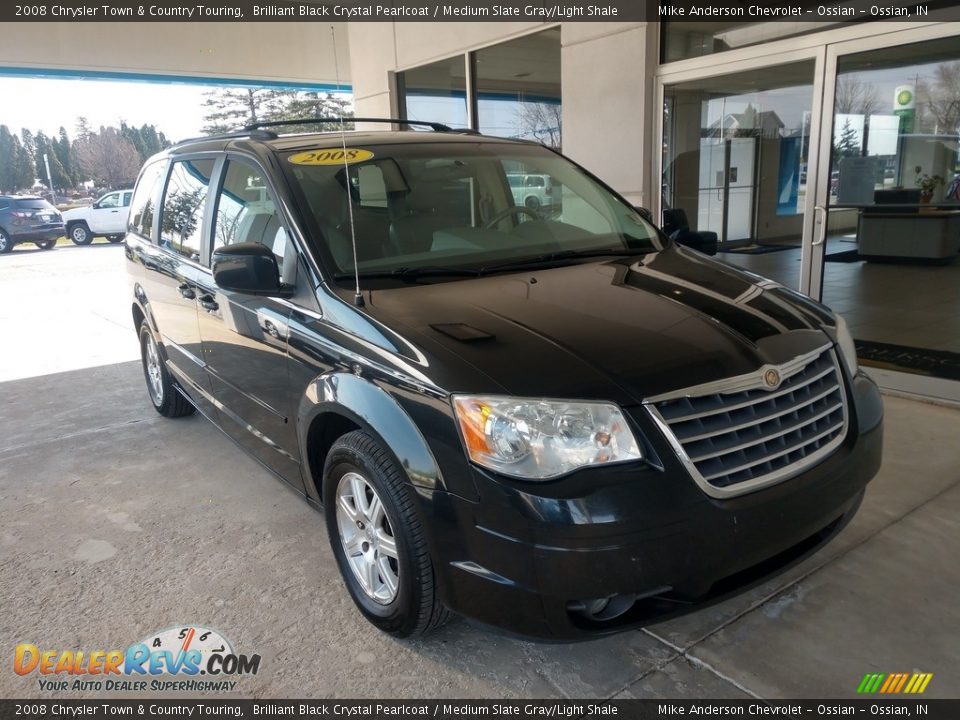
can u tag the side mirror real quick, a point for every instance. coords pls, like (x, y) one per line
(645, 214)
(249, 268)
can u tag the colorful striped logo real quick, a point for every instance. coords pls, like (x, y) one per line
(894, 683)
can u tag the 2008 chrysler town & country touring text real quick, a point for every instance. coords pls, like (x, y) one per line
(559, 424)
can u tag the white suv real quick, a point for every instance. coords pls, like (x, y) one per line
(107, 217)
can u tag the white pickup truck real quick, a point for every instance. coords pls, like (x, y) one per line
(107, 217)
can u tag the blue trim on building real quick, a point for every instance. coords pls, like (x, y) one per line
(62, 74)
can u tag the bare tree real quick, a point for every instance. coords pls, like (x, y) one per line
(943, 98)
(855, 97)
(107, 158)
(544, 121)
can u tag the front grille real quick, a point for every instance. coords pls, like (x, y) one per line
(747, 436)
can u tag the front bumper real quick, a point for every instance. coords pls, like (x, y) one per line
(526, 555)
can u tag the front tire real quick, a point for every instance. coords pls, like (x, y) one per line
(6, 244)
(80, 234)
(114, 239)
(47, 244)
(377, 538)
(164, 396)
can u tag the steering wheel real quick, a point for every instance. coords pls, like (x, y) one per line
(507, 213)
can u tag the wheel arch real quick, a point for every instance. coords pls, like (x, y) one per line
(140, 311)
(336, 403)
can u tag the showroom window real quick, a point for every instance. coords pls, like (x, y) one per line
(518, 88)
(514, 88)
(436, 92)
(181, 221)
(682, 40)
(142, 205)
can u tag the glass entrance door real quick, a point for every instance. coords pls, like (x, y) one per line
(736, 161)
(887, 233)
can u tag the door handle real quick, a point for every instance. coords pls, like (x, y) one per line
(208, 303)
(186, 291)
(822, 233)
(114, 211)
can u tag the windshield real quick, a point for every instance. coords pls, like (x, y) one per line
(458, 206)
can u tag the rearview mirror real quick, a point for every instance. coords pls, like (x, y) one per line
(249, 268)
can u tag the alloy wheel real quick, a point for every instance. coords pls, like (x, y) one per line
(154, 371)
(367, 538)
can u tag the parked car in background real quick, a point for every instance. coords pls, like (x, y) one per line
(25, 219)
(107, 217)
(532, 191)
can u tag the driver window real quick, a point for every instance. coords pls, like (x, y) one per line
(109, 201)
(247, 213)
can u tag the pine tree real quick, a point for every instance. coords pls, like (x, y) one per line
(61, 149)
(320, 105)
(47, 147)
(847, 143)
(16, 163)
(232, 108)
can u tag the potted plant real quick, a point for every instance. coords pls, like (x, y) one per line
(928, 185)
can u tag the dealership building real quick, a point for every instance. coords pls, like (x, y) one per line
(822, 154)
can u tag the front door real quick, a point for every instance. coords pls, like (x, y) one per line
(109, 217)
(245, 336)
(888, 249)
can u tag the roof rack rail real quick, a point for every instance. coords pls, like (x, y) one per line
(435, 126)
(255, 133)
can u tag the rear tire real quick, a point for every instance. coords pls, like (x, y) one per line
(6, 244)
(47, 244)
(80, 234)
(532, 202)
(115, 238)
(377, 538)
(163, 394)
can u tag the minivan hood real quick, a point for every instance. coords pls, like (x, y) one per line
(621, 330)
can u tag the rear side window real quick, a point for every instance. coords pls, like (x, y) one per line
(181, 219)
(144, 197)
(126, 199)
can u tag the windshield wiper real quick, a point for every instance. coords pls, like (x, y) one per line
(561, 255)
(412, 274)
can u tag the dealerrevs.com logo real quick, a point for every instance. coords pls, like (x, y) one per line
(185, 658)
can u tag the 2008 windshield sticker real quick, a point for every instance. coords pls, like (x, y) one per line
(331, 156)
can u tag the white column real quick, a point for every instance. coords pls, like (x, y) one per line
(608, 97)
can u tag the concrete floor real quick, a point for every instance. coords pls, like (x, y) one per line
(117, 523)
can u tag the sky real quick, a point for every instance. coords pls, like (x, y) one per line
(46, 104)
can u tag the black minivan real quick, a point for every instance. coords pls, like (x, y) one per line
(559, 424)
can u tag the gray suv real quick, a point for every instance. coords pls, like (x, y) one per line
(28, 219)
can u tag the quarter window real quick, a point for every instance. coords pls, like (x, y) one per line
(181, 223)
(144, 199)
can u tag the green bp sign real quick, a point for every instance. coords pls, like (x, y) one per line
(905, 106)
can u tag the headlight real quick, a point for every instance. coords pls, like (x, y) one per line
(845, 342)
(542, 439)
